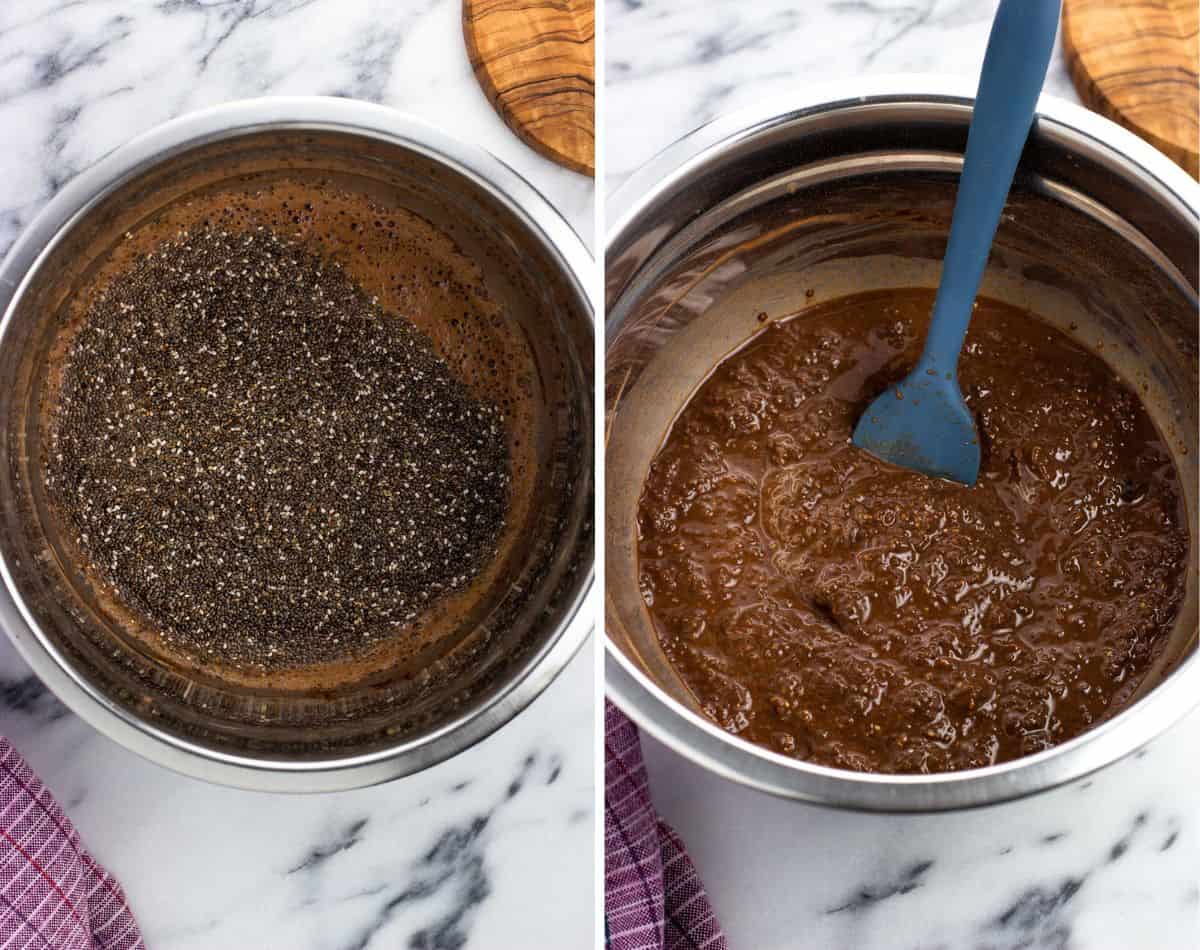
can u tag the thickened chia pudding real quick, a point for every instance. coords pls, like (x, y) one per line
(834, 608)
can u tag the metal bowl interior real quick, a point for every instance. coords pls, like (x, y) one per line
(523, 627)
(851, 194)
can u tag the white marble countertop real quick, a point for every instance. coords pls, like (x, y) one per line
(669, 71)
(1112, 863)
(491, 849)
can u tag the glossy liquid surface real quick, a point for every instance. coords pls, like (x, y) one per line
(837, 609)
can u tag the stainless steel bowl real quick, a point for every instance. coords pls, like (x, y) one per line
(850, 188)
(396, 722)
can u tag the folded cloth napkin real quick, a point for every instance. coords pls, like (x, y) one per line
(53, 894)
(653, 898)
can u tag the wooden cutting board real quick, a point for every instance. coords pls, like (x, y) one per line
(536, 62)
(1135, 61)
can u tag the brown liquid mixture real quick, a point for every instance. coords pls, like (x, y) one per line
(412, 269)
(265, 462)
(841, 610)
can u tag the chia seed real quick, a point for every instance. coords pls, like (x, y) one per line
(263, 462)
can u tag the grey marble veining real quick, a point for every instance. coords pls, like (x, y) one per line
(494, 845)
(491, 849)
(1109, 863)
(669, 70)
(80, 77)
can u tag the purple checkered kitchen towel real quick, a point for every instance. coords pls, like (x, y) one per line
(653, 898)
(53, 894)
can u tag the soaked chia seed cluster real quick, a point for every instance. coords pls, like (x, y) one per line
(257, 457)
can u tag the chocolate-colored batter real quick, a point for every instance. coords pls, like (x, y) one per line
(410, 268)
(841, 610)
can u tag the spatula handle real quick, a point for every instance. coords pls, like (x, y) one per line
(1014, 69)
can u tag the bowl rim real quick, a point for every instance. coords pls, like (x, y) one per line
(706, 744)
(75, 200)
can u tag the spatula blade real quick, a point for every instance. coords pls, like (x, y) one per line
(922, 423)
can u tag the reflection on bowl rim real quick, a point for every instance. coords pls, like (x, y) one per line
(705, 743)
(58, 217)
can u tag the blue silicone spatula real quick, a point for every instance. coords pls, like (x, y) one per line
(923, 423)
